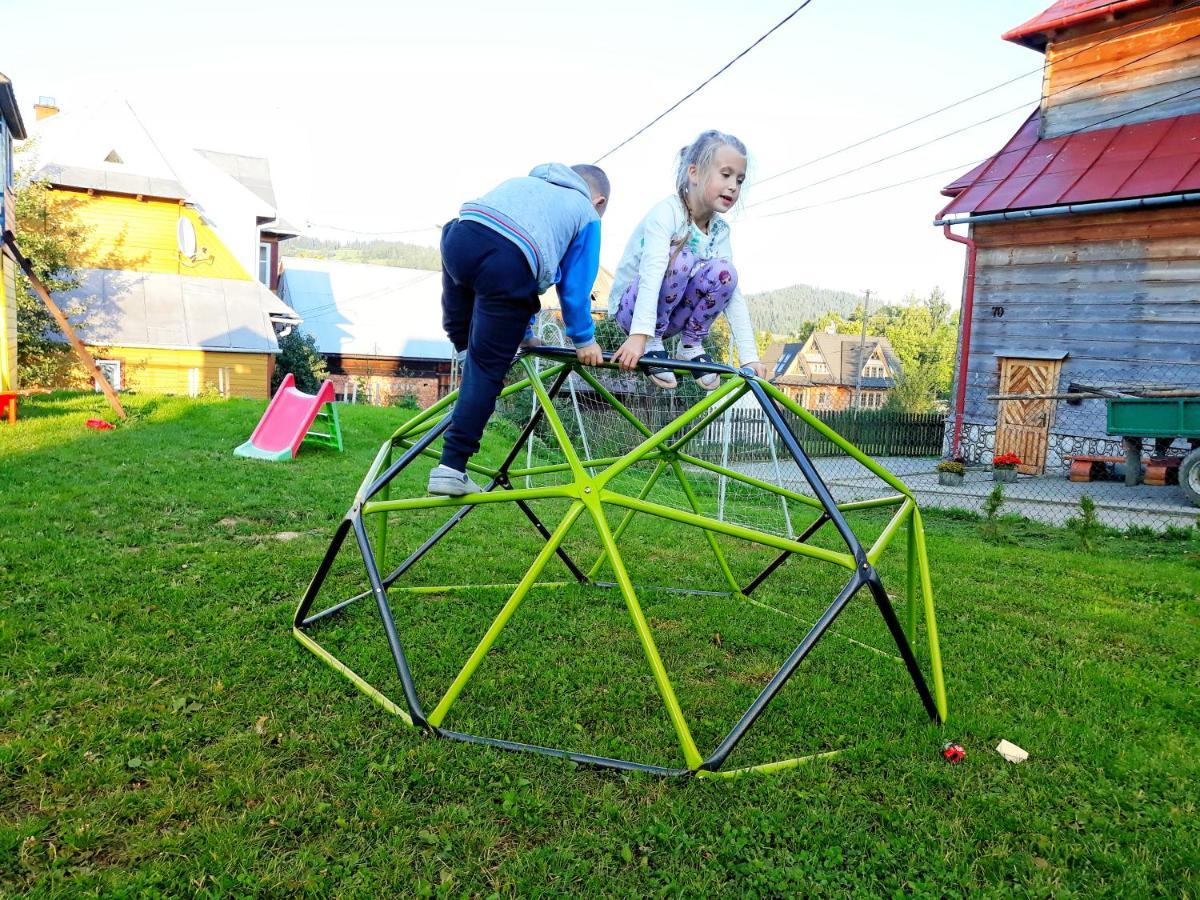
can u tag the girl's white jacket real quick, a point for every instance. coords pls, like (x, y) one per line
(646, 256)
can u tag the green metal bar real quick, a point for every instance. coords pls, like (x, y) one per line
(776, 489)
(910, 584)
(851, 450)
(691, 755)
(381, 529)
(357, 680)
(935, 653)
(374, 470)
(556, 425)
(538, 493)
(732, 529)
(889, 532)
(439, 713)
(657, 438)
(873, 503)
(616, 404)
(768, 768)
(627, 518)
(694, 503)
(566, 467)
(709, 420)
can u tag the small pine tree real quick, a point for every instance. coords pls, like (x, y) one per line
(298, 354)
(1088, 524)
(991, 508)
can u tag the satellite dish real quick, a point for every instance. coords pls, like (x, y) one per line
(185, 237)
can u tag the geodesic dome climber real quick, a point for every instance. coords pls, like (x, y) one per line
(683, 485)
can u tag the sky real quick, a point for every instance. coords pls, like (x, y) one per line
(380, 119)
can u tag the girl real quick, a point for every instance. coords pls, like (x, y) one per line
(676, 275)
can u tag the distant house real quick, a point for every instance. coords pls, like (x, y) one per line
(171, 299)
(824, 372)
(11, 127)
(378, 327)
(1083, 241)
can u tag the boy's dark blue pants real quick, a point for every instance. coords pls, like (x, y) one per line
(488, 297)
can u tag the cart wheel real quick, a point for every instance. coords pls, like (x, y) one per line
(1189, 476)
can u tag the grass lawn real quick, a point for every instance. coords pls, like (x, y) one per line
(162, 732)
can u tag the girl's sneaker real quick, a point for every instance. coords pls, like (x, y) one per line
(446, 482)
(664, 378)
(706, 380)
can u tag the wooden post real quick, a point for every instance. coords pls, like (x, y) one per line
(81, 351)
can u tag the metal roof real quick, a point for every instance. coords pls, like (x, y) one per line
(9, 109)
(113, 181)
(252, 172)
(1036, 33)
(1146, 159)
(357, 309)
(118, 307)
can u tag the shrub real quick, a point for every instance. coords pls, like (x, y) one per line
(956, 466)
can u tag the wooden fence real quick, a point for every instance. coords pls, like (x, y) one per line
(875, 432)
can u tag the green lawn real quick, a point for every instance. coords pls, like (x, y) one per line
(161, 732)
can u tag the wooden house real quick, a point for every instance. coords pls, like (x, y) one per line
(827, 371)
(11, 128)
(167, 301)
(1083, 232)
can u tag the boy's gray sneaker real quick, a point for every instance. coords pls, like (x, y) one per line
(448, 483)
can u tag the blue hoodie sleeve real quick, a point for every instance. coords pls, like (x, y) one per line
(579, 267)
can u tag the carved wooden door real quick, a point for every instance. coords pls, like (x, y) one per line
(1023, 424)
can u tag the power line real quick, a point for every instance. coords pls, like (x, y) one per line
(1040, 69)
(958, 131)
(704, 83)
(977, 162)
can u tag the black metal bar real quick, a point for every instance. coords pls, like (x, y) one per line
(336, 608)
(318, 579)
(910, 660)
(385, 613)
(810, 472)
(779, 679)
(782, 557)
(538, 415)
(545, 533)
(409, 455)
(566, 354)
(585, 759)
(462, 513)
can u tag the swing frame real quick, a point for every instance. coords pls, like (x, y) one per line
(589, 492)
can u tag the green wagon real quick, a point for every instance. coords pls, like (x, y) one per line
(1135, 418)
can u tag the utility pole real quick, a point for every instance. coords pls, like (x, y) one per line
(862, 341)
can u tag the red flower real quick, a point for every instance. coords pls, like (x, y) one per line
(1006, 461)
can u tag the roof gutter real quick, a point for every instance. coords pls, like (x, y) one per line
(10, 110)
(1071, 208)
(964, 343)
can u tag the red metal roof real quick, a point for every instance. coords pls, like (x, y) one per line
(1128, 161)
(1067, 13)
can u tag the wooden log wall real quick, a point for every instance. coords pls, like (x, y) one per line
(1155, 63)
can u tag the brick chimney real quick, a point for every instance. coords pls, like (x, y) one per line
(45, 108)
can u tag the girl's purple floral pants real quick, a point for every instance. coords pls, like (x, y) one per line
(690, 299)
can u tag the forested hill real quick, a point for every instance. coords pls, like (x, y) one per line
(383, 253)
(785, 310)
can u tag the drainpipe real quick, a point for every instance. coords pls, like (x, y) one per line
(964, 345)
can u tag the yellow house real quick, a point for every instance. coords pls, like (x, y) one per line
(11, 127)
(167, 301)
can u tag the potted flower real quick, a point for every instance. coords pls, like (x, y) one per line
(951, 471)
(1004, 467)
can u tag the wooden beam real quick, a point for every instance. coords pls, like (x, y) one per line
(81, 351)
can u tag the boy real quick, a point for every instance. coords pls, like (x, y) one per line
(498, 256)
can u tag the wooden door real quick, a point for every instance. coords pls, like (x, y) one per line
(1023, 424)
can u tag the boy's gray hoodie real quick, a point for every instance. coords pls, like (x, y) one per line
(541, 213)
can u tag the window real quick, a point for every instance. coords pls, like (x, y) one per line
(873, 400)
(874, 369)
(264, 263)
(819, 368)
(111, 370)
(823, 400)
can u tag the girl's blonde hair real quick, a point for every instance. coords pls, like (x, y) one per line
(700, 153)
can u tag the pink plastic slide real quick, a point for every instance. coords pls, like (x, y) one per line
(286, 422)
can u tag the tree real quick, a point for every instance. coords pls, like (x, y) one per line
(298, 354)
(924, 334)
(50, 235)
